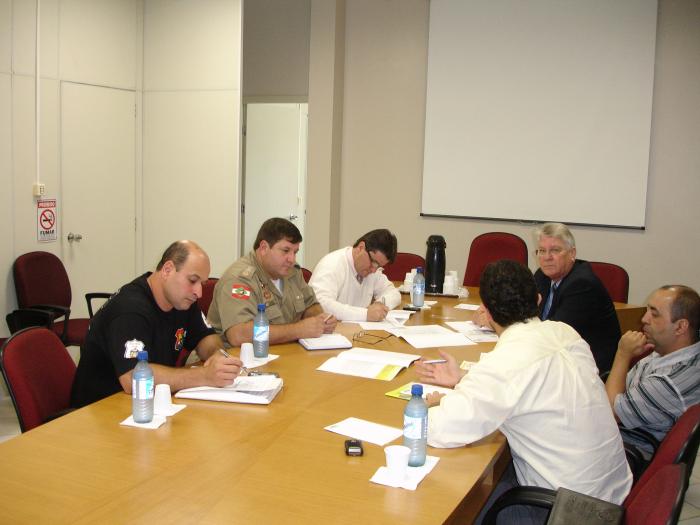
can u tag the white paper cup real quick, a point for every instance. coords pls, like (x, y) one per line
(162, 399)
(397, 461)
(247, 354)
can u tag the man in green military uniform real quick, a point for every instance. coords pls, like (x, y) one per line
(268, 275)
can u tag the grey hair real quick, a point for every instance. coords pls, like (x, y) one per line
(558, 231)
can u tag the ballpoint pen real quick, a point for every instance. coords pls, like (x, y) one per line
(434, 361)
(244, 370)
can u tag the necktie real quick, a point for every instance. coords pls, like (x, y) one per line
(548, 303)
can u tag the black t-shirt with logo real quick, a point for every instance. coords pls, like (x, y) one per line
(131, 320)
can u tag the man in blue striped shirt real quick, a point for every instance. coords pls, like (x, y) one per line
(659, 388)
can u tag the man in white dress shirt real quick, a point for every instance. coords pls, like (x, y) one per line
(349, 284)
(540, 387)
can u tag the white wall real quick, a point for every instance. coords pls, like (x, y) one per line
(188, 184)
(382, 144)
(191, 152)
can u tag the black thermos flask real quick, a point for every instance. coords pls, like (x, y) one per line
(435, 264)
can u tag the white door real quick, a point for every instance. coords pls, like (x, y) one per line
(275, 167)
(98, 138)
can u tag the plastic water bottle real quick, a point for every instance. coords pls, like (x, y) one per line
(415, 427)
(261, 333)
(418, 292)
(142, 389)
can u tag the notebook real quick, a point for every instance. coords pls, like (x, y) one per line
(326, 342)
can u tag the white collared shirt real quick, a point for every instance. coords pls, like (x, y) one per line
(335, 283)
(540, 387)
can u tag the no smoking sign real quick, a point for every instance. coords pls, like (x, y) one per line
(46, 220)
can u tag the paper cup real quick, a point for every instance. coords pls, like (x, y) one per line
(247, 354)
(397, 461)
(162, 399)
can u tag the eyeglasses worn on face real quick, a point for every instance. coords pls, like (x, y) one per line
(374, 262)
(554, 252)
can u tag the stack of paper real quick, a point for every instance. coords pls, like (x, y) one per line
(326, 342)
(259, 390)
(473, 331)
(364, 362)
(430, 336)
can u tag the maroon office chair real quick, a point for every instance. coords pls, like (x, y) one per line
(41, 282)
(490, 247)
(403, 264)
(306, 273)
(39, 374)
(614, 278)
(658, 502)
(680, 445)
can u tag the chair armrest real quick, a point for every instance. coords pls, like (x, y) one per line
(58, 414)
(95, 295)
(59, 311)
(533, 496)
(26, 317)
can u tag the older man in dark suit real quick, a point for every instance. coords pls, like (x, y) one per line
(573, 294)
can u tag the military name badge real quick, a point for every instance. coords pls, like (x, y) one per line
(132, 349)
(240, 291)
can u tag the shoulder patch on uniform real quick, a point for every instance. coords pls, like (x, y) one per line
(240, 291)
(132, 348)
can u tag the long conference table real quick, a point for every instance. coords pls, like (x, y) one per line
(217, 462)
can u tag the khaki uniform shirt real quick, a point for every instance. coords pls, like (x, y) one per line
(245, 284)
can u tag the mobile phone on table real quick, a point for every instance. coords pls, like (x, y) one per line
(353, 447)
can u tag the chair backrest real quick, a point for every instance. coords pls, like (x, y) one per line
(306, 273)
(41, 278)
(207, 294)
(39, 374)
(614, 278)
(660, 499)
(403, 263)
(679, 446)
(489, 247)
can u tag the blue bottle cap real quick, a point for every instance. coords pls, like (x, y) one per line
(261, 308)
(417, 390)
(142, 355)
(419, 269)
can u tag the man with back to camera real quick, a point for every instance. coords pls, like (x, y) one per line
(573, 294)
(268, 275)
(540, 387)
(656, 391)
(348, 282)
(157, 312)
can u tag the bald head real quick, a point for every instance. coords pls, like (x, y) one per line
(179, 251)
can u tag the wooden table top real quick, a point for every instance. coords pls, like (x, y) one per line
(233, 463)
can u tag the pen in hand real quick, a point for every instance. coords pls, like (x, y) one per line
(434, 361)
(244, 370)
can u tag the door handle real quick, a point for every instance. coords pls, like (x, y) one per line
(74, 237)
(292, 217)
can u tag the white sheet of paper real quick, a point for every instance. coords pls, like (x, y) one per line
(261, 361)
(365, 430)
(413, 477)
(473, 331)
(357, 368)
(377, 325)
(435, 340)
(378, 356)
(465, 306)
(420, 329)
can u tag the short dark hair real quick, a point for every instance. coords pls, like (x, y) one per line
(276, 229)
(381, 240)
(686, 305)
(176, 252)
(509, 292)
